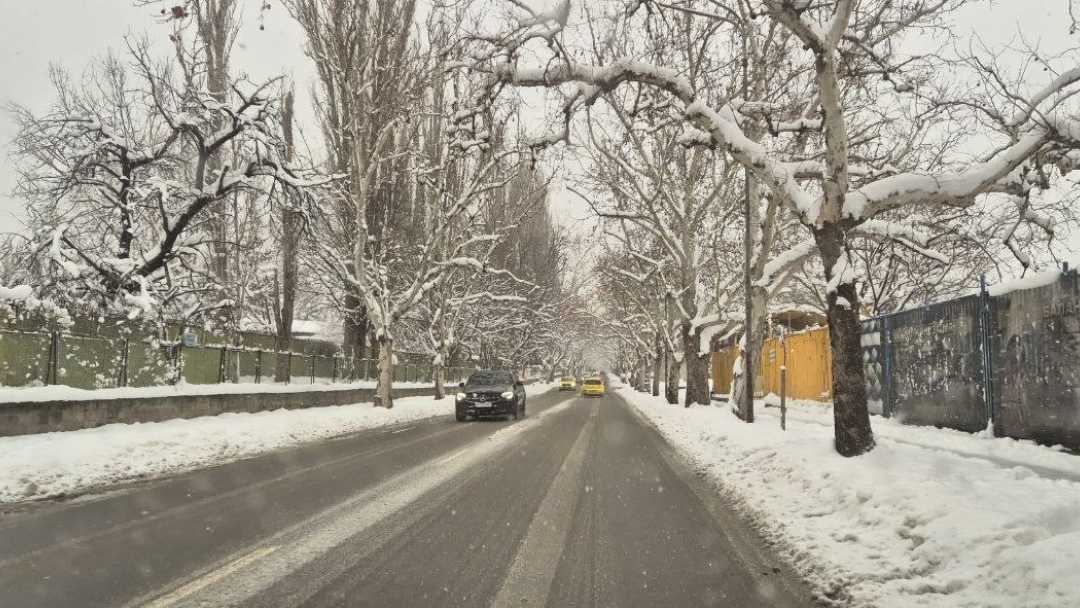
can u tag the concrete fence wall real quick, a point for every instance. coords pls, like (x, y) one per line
(25, 418)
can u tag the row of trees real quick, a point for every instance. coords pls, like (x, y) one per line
(168, 186)
(854, 155)
(743, 157)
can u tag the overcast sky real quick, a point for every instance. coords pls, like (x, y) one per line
(35, 33)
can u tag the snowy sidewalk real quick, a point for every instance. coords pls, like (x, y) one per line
(929, 517)
(1048, 462)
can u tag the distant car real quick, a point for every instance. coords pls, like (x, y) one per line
(592, 387)
(567, 383)
(490, 393)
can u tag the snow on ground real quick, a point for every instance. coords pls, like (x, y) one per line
(56, 464)
(66, 393)
(49, 465)
(928, 518)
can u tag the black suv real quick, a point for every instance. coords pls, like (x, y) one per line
(491, 393)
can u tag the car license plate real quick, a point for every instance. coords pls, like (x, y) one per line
(483, 404)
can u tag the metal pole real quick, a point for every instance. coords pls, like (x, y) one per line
(258, 366)
(54, 356)
(748, 349)
(124, 362)
(178, 363)
(886, 366)
(748, 248)
(987, 355)
(783, 384)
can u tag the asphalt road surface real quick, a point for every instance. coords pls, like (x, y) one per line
(579, 504)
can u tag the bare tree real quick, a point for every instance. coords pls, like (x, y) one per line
(679, 197)
(119, 184)
(292, 225)
(843, 184)
(371, 77)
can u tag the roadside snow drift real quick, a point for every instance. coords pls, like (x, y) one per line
(56, 464)
(928, 518)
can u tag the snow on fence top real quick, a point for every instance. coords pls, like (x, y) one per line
(1032, 281)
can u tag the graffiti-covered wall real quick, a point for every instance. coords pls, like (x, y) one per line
(935, 367)
(1036, 362)
(1013, 358)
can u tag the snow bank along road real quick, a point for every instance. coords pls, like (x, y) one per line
(579, 504)
(930, 517)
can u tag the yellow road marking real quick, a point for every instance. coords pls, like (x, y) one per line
(210, 578)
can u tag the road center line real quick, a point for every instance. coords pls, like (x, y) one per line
(529, 579)
(210, 578)
(452, 457)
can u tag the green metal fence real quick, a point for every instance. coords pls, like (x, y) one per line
(38, 358)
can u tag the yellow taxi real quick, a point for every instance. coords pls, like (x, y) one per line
(567, 383)
(592, 387)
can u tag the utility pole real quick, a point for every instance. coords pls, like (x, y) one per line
(748, 250)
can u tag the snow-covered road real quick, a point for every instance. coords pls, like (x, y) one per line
(581, 503)
(930, 517)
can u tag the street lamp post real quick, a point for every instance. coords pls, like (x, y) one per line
(748, 249)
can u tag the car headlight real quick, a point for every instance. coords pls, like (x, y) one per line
(508, 395)
(461, 396)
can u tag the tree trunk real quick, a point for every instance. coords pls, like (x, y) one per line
(440, 382)
(851, 415)
(355, 327)
(657, 364)
(283, 339)
(383, 396)
(752, 342)
(290, 237)
(697, 367)
(215, 29)
(671, 382)
(739, 404)
(757, 328)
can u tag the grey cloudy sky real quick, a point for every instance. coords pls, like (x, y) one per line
(35, 33)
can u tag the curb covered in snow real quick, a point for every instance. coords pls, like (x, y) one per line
(110, 406)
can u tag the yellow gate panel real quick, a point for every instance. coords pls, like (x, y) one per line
(722, 362)
(808, 357)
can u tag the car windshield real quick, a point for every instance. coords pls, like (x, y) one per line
(490, 378)
(568, 379)
(593, 381)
